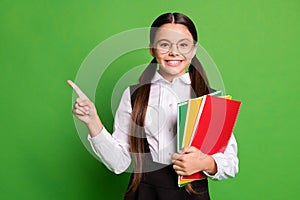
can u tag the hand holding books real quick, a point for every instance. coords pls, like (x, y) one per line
(191, 160)
(205, 123)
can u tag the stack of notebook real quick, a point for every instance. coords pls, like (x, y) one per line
(206, 123)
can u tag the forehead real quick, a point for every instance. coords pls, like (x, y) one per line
(173, 32)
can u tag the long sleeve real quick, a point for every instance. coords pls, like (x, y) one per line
(113, 149)
(227, 162)
(160, 127)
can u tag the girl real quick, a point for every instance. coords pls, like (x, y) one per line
(144, 127)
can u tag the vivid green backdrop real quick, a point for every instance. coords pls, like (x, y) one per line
(254, 43)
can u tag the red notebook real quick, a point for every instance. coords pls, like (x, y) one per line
(215, 124)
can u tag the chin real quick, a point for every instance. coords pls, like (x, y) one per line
(174, 72)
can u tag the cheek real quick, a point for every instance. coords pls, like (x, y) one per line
(189, 57)
(159, 59)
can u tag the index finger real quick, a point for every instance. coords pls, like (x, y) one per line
(77, 90)
(176, 156)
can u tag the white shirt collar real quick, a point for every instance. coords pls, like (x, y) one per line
(185, 78)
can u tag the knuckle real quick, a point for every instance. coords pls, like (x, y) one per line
(78, 100)
(183, 159)
(86, 102)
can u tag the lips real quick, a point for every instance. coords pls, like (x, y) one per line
(173, 63)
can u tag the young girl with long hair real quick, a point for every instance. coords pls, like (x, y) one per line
(145, 122)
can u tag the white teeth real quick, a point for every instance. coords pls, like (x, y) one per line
(173, 62)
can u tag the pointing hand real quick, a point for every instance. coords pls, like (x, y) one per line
(85, 110)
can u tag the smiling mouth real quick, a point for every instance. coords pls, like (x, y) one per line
(173, 62)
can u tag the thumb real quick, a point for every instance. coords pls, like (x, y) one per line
(190, 149)
(184, 150)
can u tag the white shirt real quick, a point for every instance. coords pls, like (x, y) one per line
(160, 128)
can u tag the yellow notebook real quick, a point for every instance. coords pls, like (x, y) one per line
(192, 113)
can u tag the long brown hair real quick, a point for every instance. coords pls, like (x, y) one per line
(199, 85)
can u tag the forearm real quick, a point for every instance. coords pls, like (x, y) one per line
(95, 127)
(112, 152)
(211, 166)
(226, 163)
(113, 149)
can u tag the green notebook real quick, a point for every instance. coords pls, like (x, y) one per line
(181, 117)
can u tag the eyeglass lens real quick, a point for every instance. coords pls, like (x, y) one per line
(183, 46)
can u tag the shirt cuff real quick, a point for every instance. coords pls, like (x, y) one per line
(217, 175)
(101, 137)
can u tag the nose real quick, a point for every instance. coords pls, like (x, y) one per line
(173, 50)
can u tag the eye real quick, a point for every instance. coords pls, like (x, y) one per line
(183, 45)
(164, 44)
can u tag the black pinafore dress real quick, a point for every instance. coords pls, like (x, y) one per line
(161, 184)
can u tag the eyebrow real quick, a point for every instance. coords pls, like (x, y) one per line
(171, 41)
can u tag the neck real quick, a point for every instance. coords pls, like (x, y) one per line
(167, 77)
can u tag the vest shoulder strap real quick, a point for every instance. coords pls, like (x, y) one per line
(133, 89)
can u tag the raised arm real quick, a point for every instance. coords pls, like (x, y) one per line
(112, 149)
(85, 111)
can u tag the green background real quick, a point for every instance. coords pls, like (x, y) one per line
(254, 43)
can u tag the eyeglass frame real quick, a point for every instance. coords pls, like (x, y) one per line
(171, 47)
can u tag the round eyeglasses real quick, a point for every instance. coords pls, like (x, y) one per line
(184, 46)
